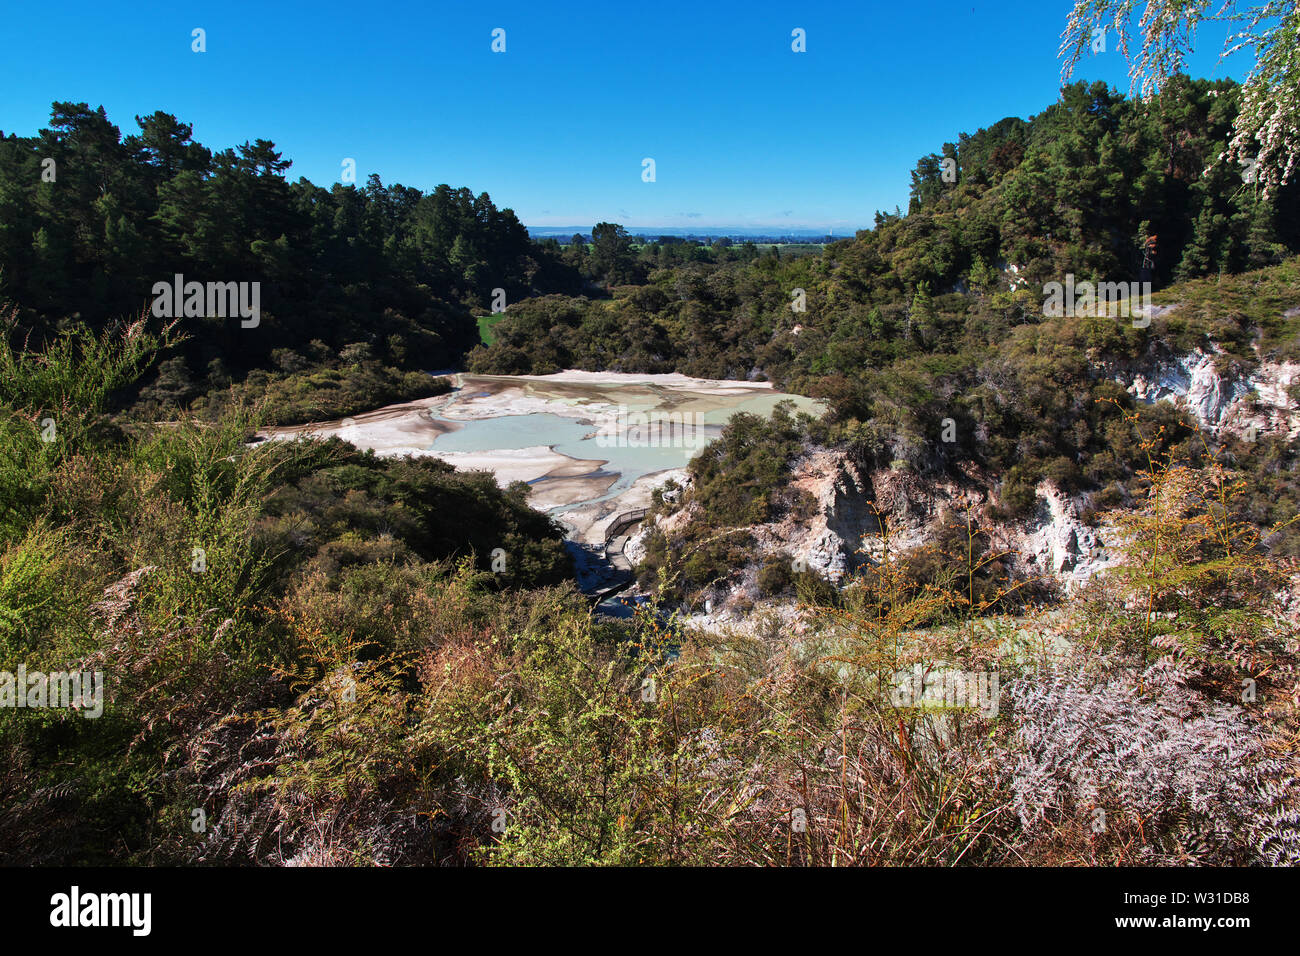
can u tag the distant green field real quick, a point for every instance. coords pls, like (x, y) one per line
(797, 247)
(485, 323)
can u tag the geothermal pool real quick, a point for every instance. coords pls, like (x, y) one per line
(592, 445)
(624, 462)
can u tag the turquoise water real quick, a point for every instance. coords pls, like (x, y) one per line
(569, 437)
(575, 438)
(515, 431)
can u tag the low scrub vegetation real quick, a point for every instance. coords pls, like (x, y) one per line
(347, 681)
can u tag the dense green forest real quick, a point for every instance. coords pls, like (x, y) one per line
(388, 277)
(316, 656)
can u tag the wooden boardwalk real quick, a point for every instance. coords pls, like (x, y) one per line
(617, 533)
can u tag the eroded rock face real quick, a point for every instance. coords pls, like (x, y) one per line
(828, 554)
(1267, 407)
(635, 548)
(1057, 543)
(1192, 381)
(844, 532)
(1219, 398)
(830, 542)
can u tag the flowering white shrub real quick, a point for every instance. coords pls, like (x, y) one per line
(1267, 128)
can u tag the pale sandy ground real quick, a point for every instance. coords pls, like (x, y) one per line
(406, 428)
(410, 428)
(674, 380)
(552, 492)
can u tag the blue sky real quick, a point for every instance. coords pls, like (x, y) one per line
(744, 132)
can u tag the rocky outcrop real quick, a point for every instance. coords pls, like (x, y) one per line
(634, 549)
(1057, 544)
(844, 530)
(831, 542)
(1220, 395)
(1192, 381)
(1267, 408)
